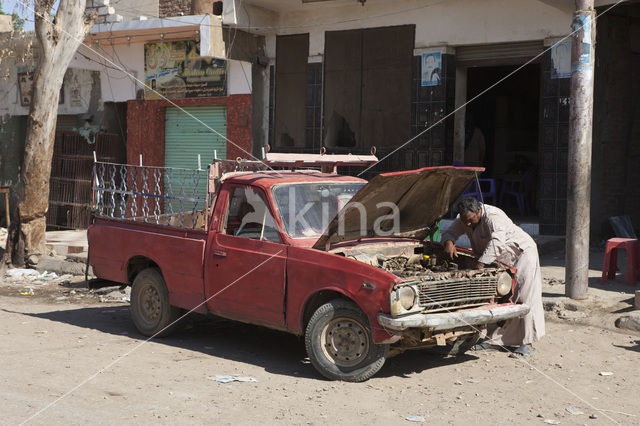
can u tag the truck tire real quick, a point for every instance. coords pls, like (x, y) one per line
(339, 343)
(150, 309)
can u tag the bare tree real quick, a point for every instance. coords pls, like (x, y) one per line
(59, 39)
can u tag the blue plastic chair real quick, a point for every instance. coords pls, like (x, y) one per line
(519, 189)
(487, 189)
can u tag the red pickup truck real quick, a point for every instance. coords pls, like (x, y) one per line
(338, 260)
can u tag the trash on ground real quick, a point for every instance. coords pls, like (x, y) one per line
(551, 422)
(418, 419)
(228, 379)
(615, 412)
(606, 373)
(573, 410)
(28, 293)
(47, 276)
(21, 272)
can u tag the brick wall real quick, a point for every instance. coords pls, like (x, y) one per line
(145, 127)
(174, 8)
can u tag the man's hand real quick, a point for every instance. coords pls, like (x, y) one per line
(479, 265)
(450, 249)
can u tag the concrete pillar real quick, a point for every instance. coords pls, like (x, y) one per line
(459, 120)
(579, 161)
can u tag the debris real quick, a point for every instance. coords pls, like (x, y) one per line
(570, 315)
(552, 422)
(615, 412)
(228, 379)
(593, 417)
(457, 382)
(21, 272)
(629, 321)
(574, 411)
(72, 292)
(47, 276)
(606, 373)
(28, 293)
(417, 419)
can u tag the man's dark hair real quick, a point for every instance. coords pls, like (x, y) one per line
(468, 204)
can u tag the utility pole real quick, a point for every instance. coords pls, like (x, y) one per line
(579, 166)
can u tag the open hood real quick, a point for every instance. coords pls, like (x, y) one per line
(399, 204)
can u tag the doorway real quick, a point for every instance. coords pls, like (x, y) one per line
(507, 117)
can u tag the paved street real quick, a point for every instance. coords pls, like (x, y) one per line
(51, 347)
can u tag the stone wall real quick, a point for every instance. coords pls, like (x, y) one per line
(174, 8)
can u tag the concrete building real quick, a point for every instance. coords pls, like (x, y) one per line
(112, 89)
(352, 74)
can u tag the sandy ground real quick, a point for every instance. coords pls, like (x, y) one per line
(70, 345)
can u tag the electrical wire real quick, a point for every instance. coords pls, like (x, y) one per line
(512, 73)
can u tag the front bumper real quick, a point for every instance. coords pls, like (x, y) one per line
(451, 320)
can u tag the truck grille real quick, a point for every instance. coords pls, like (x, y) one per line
(457, 293)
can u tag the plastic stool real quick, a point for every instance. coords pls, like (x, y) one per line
(611, 258)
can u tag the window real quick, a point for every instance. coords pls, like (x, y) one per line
(307, 208)
(248, 216)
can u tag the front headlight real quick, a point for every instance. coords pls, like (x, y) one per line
(407, 297)
(504, 284)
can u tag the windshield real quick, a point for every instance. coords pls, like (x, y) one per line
(307, 208)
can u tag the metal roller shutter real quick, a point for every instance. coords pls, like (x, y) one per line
(508, 52)
(186, 137)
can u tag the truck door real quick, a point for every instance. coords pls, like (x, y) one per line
(246, 259)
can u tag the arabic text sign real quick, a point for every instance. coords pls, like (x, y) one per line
(176, 70)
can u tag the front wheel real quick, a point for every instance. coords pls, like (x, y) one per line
(150, 309)
(339, 343)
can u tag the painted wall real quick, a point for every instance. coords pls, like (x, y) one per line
(131, 10)
(455, 22)
(114, 84)
(145, 127)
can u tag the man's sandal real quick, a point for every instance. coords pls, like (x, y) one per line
(523, 351)
(485, 346)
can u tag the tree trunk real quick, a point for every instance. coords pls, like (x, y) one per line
(58, 44)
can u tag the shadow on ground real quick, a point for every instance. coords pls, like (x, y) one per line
(277, 352)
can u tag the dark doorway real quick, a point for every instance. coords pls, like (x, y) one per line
(507, 116)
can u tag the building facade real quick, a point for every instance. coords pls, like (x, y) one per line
(426, 82)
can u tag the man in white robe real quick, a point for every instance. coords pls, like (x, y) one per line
(493, 237)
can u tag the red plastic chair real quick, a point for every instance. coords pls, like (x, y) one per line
(611, 259)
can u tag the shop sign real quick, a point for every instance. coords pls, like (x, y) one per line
(176, 70)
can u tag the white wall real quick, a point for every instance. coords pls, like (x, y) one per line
(454, 22)
(117, 86)
(238, 78)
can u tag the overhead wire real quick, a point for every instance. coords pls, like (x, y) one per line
(64, 31)
(485, 91)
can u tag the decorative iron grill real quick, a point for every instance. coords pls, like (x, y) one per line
(158, 195)
(442, 295)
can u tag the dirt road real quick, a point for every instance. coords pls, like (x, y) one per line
(54, 344)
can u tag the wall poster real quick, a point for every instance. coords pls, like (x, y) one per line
(25, 87)
(561, 59)
(176, 70)
(431, 68)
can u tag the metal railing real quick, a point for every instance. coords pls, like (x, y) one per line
(158, 195)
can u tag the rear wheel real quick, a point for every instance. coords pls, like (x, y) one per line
(339, 343)
(150, 309)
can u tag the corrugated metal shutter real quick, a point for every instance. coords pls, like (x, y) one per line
(186, 137)
(501, 51)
